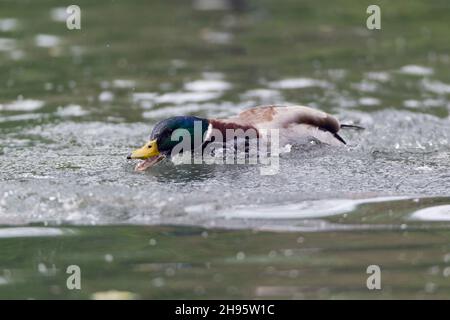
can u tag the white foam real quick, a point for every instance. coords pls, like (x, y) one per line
(437, 213)
(305, 209)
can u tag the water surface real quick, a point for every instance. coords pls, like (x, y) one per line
(75, 102)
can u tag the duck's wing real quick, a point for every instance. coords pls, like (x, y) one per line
(294, 122)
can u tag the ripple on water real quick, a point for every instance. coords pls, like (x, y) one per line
(305, 209)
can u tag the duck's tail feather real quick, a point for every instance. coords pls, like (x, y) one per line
(352, 126)
(339, 138)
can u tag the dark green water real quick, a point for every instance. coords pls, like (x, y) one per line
(73, 103)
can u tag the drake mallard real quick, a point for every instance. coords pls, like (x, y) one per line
(295, 123)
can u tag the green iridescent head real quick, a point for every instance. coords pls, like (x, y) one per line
(165, 136)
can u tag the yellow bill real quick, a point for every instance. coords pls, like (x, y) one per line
(150, 149)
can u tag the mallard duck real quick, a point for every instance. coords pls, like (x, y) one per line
(295, 123)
